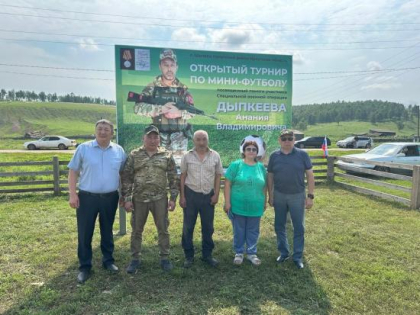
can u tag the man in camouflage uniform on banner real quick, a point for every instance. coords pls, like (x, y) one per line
(171, 121)
(144, 180)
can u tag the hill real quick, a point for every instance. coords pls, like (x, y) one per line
(67, 119)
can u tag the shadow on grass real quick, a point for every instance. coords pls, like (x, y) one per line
(227, 289)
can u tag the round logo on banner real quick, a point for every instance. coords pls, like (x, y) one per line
(259, 141)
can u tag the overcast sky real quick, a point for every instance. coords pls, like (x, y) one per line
(342, 50)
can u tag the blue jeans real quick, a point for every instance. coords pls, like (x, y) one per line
(245, 230)
(295, 204)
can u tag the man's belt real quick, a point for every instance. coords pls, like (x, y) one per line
(99, 195)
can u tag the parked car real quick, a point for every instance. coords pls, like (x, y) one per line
(356, 142)
(311, 142)
(50, 142)
(395, 152)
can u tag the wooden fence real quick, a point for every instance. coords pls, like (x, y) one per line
(53, 183)
(57, 182)
(324, 169)
(414, 180)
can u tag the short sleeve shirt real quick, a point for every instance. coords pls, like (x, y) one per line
(99, 169)
(247, 188)
(201, 174)
(289, 170)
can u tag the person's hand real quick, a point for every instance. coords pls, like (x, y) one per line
(171, 205)
(227, 207)
(128, 205)
(170, 111)
(270, 201)
(121, 202)
(214, 199)
(182, 202)
(74, 201)
(309, 203)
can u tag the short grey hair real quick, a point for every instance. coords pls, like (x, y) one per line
(203, 132)
(104, 121)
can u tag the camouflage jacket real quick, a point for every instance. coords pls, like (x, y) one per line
(153, 110)
(146, 177)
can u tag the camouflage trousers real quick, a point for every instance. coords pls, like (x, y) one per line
(176, 142)
(159, 210)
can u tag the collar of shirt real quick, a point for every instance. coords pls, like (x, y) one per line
(96, 144)
(291, 152)
(159, 150)
(195, 153)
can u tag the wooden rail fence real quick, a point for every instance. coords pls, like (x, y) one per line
(324, 169)
(54, 183)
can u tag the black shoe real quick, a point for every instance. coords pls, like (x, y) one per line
(166, 265)
(133, 266)
(111, 267)
(299, 264)
(282, 259)
(188, 262)
(210, 261)
(83, 276)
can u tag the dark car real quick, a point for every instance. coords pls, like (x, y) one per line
(311, 142)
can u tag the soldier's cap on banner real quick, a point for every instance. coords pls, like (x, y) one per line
(151, 128)
(168, 53)
(286, 132)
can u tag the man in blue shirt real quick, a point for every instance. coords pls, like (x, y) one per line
(287, 169)
(96, 165)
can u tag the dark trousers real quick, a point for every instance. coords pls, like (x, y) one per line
(198, 203)
(90, 206)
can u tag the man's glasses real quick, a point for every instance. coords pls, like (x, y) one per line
(251, 149)
(286, 138)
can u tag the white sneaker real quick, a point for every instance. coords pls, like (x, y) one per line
(239, 258)
(254, 260)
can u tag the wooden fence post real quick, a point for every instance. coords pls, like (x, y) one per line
(415, 190)
(56, 176)
(330, 168)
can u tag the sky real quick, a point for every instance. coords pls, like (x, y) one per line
(342, 50)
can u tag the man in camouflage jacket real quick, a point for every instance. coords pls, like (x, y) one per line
(144, 188)
(171, 121)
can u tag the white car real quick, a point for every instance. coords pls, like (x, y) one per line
(50, 142)
(395, 152)
(356, 142)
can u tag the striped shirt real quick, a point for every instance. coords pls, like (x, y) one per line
(201, 174)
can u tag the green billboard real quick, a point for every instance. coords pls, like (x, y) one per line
(230, 95)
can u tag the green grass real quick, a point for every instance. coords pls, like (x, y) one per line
(67, 119)
(361, 258)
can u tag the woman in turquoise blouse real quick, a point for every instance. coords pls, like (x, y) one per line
(245, 202)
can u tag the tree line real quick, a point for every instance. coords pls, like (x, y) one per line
(372, 111)
(31, 96)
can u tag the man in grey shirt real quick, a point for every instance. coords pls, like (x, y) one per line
(287, 169)
(201, 170)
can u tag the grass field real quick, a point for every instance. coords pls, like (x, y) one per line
(362, 257)
(66, 119)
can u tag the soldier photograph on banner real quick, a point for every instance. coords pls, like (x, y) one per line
(169, 104)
